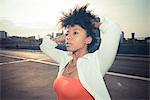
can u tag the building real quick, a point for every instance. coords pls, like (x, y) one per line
(59, 34)
(31, 38)
(147, 40)
(133, 36)
(3, 34)
(122, 39)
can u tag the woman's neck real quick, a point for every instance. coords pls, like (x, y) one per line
(79, 53)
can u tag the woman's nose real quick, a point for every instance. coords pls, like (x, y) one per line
(68, 37)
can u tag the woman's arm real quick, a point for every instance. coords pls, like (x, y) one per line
(48, 47)
(110, 38)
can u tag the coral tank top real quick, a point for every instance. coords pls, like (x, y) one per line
(67, 88)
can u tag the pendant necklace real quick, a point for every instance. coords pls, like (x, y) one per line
(70, 71)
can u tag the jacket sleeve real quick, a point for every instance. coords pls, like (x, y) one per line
(48, 47)
(110, 38)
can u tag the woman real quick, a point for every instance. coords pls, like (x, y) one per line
(81, 69)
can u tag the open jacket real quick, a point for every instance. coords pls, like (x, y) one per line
(92, 66)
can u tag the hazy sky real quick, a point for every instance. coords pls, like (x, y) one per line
(39, 17)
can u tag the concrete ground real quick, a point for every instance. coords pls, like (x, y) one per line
(30, 76)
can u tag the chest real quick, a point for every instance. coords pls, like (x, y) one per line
(71, 72)
(70, 88)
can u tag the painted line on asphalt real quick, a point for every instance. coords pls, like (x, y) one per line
(109, 73)
(12, 62)
(26, 60)
(128, 76)
(133, 55)
(45, 62)
(21, 57)
(44, 59)
(12, 56)
(131, 58)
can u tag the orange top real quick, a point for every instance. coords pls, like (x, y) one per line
(70, 89)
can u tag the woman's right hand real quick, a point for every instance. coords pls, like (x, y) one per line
(60, 39)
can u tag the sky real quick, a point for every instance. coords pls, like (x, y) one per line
(40, 17)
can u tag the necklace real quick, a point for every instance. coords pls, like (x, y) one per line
(72, 64)
(70, 71)
(71, 68)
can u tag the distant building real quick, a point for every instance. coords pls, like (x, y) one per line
(31, 38)
(122, 39)
(133, 36)
(132, 40)
(3, 34)
(59, 34)
(147, 40)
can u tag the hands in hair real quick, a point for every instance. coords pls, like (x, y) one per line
(60, 39)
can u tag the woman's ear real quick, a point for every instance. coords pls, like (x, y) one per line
(88, 40)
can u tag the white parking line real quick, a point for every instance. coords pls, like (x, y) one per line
(12, 62)
(43, 59)
(129, 58)
(128, 76)
(45, 62)
(12, 56)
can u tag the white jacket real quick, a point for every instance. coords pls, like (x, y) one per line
(92, 66)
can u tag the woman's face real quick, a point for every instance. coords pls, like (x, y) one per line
(76, 38)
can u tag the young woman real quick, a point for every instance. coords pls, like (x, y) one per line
(81, 69)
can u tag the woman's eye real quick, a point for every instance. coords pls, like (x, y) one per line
(67, 34)
(75, 33)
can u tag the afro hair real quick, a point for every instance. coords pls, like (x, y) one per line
(84, 18)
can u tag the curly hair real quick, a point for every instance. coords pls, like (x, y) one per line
(82, 17)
